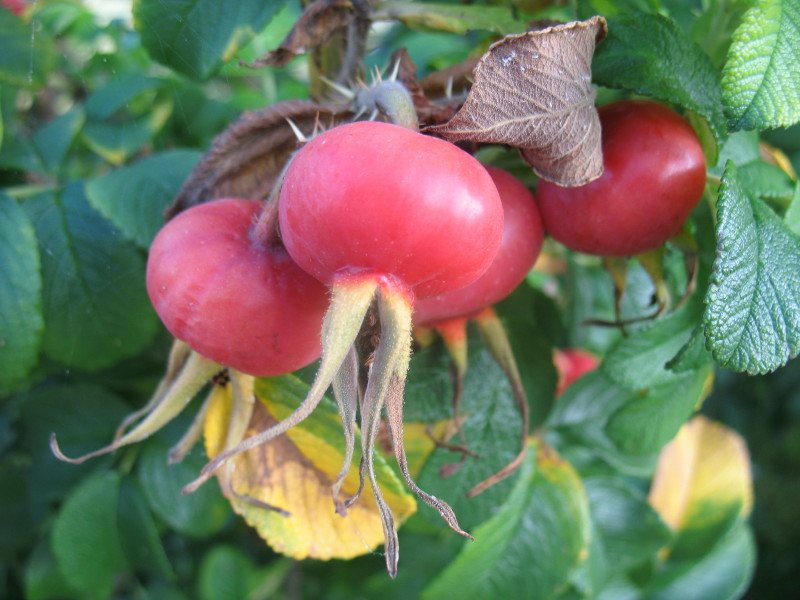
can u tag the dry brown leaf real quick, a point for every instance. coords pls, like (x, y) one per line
(534, 91)
(246, 158)
(315, 27)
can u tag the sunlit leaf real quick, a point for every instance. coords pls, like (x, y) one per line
(295, 473)
(534, 91)
(703, 483)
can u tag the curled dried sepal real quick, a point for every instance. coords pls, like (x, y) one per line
(192, 376)
(534, 91)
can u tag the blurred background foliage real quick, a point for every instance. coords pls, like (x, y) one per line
(87, 114)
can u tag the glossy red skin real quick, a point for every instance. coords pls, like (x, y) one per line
(520, 245)
(379, 198)
(654, 176)
(231, 299)
(572, 363)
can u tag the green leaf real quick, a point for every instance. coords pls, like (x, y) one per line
(767, 182)
(723, 574)
(116, 142)
(21, 322)
(761, 79)
(631, 532)
(792, 218)
(138, 534)
(752, 318)
(199, 514)
(134, 197)
(194, 36)
(54, 140)
(85, 537)
(532, 545)
(43, 580)
(26, 55)
(649, 54)
(458, 19)
(639, 360)
(83, 416)
(226, 573)
(118, 93)
(492, 429)
(95, 303)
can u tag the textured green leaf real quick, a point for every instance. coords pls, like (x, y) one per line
(138, 533)
(198, 514)
(761, 79)
(723, 574)
(630, 531)
(452, 18)
(649, 54)
(532, 545)
(492, 429)
(752, 318)
(194, 36)
(767, 182)
(86, 539)
(25, 56)
(134, 197)
(95, 303)
(21, 322)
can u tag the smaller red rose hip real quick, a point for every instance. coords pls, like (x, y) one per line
(232, 298)
(654, 176)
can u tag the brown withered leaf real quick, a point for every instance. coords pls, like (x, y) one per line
(534, 91)
(319, 22)
(246, 158)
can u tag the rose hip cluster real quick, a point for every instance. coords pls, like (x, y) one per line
(374, 229)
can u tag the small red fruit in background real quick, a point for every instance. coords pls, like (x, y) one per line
(231, 298)
(654, 176)
(15, 6)
(572, 363)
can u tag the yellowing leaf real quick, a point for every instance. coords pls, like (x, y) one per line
(703, 477)
(420, 444)
(294, 472)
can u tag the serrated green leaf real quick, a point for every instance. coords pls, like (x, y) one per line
(26, 56)
(452, 18)
(532, 545)
(693, 355)
(85, 538)
(723, 574)
(134, 197)
(752, 318)
(139, 537)
(91, 278)
(761, 78)
(649, 54)
(194, 36)
(199, 514)
(630, 531)
(21, 322)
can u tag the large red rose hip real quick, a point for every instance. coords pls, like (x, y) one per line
(654, 176)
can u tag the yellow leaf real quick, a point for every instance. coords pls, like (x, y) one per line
(419, 441)
(295, 471)
(703, 477)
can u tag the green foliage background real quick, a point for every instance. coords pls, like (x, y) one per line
(102, 120)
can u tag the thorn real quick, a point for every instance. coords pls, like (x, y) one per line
(448, 90)
(395, 71)
(296, 130)
(344, 91)
(374, 115)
